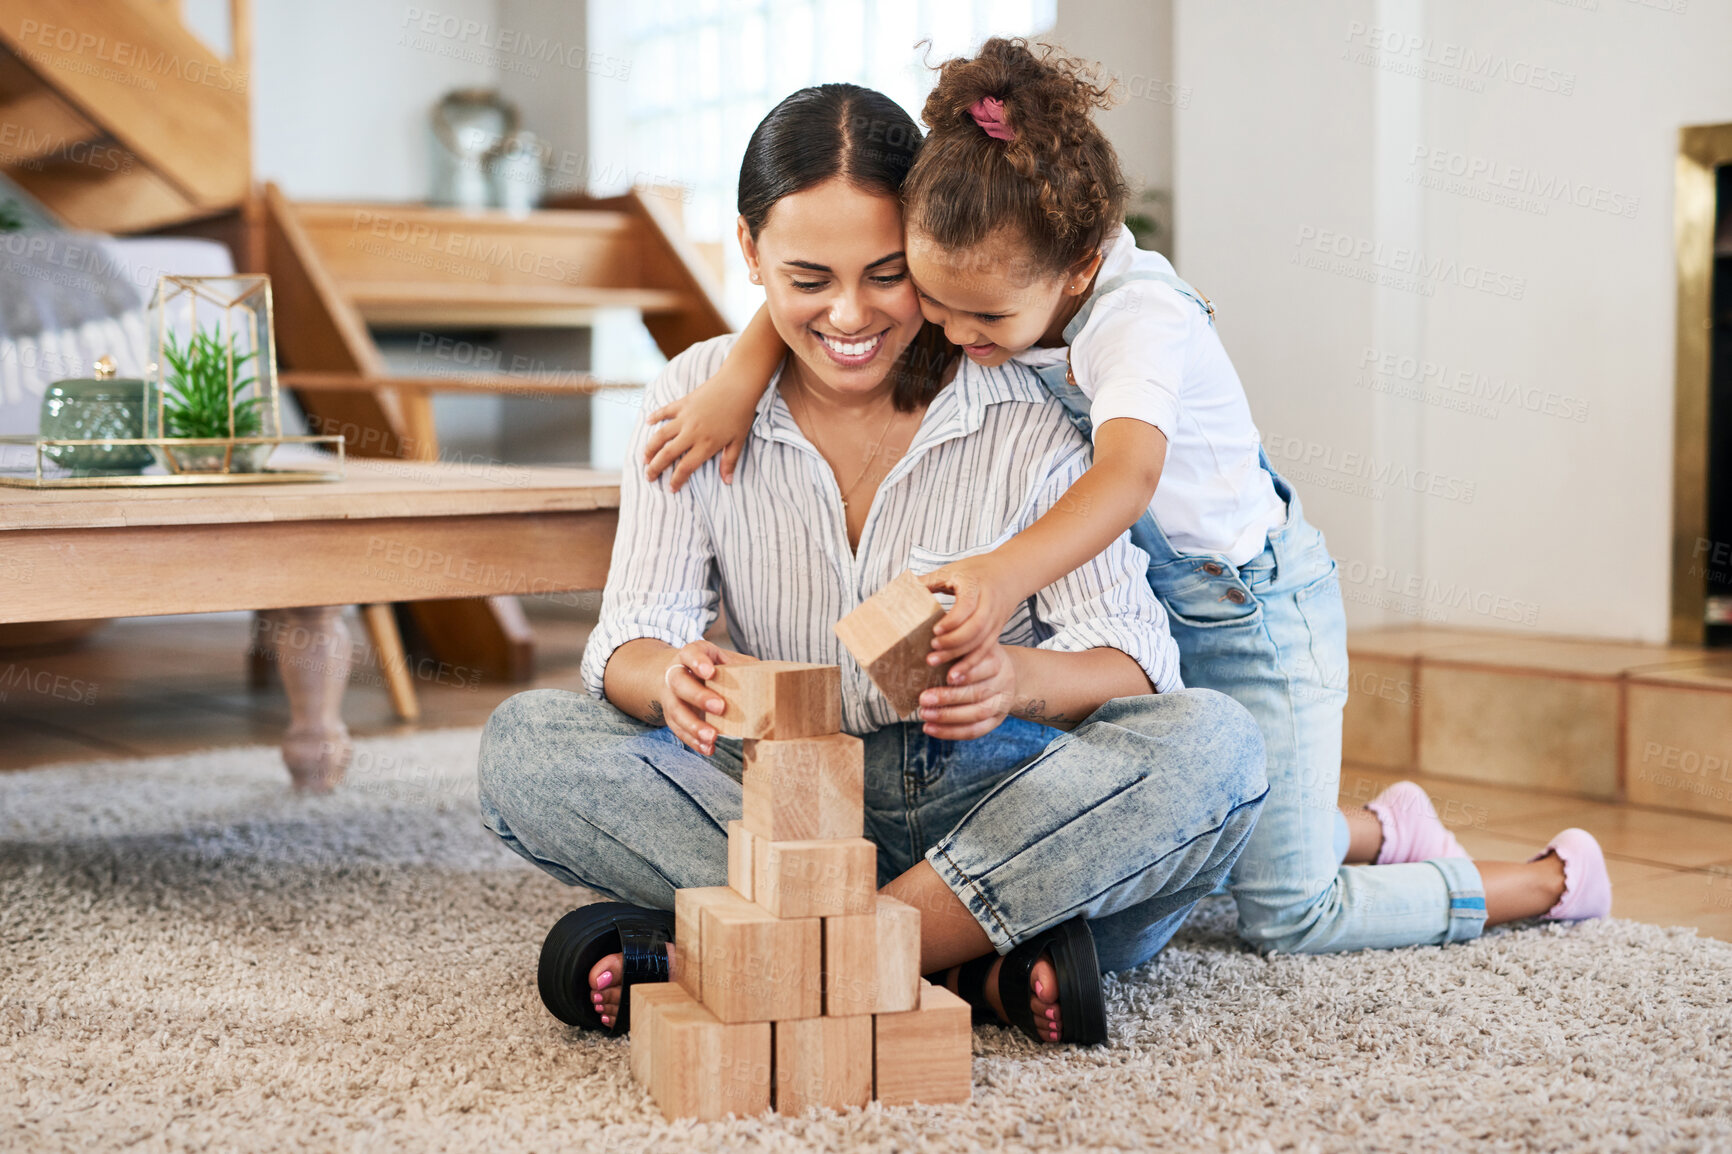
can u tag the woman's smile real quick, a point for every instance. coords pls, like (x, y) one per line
(851, 352)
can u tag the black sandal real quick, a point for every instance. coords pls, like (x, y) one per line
(585, 936)
(1070, 946)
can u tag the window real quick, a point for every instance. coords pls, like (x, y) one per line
(690, 79)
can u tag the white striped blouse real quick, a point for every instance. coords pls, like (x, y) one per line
(993, 452)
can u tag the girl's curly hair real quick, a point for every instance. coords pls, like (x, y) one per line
(1057, 182)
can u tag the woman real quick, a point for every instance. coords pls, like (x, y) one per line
(1058, 814)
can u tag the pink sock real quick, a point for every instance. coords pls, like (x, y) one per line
(1411, 829)
(1587, 885)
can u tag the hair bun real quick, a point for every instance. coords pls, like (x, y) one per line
(1016, 115)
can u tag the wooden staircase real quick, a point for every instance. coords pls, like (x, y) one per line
(340, 270)
(117, 118)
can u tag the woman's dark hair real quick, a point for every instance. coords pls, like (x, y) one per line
(865, 138)
(1057, 182)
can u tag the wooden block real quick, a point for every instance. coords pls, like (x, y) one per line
(706, 1069)
(890, 634)
(758, 967)
(805, 789)
(647, 999)
(872, 961)
(688, 958)
(823, 1062)
(777, 699)
(810, 879)
(925, 1055)
(899, 981)
(740, 850)
(850, 965)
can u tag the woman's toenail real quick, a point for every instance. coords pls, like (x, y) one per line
(605, 980)
(1040, 988)
(1051, 1013)
(595, 996)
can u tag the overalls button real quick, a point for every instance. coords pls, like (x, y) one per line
(1213, 569)
(1236, 596)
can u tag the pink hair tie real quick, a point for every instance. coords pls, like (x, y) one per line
(988, 112)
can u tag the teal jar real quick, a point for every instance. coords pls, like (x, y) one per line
(86, 410)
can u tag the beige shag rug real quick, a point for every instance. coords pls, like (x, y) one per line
(191, 957)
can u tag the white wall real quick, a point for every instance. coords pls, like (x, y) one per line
(1296, 176)
(1133, 41)
(342, 91)
(552, 95)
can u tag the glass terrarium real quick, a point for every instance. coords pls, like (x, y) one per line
(213, 386)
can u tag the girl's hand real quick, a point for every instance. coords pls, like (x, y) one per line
(685, 698)
(984, 599)
(974, 704)
(717, 417)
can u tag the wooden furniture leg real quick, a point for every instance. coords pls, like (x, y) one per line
(313, 654)
(260, 653)
(489, 635)
(387, 644)
(393, 664)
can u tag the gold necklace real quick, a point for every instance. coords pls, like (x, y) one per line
(805, 403)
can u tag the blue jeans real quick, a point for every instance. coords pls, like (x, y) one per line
(1128, 819)
(1273, 635)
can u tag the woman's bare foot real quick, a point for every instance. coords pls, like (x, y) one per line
(604, 985)
(1042, 996)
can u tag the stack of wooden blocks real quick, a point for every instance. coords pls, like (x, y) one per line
(797, 984)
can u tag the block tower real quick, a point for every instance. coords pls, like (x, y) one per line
(797, 984)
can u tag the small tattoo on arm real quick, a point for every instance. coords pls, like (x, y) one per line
(1035, 710)
(654, 713)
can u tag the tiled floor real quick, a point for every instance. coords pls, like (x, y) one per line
(164, 685)
(1669, 868)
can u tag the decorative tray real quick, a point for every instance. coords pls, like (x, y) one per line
(68, 463)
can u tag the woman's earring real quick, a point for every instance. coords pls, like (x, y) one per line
(756, 279)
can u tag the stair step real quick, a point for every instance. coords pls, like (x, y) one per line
(410, 304)
(504, 384)
(1604, 720)
(37, 125)
(400, 220)
(385, 253)
(128, 199)
(133, 85)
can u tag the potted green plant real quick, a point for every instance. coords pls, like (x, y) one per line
(214, 377)
(195, 403)
(1148, 218)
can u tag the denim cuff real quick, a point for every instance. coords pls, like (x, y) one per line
(1343, 839)
(1466, 898)
(971, 896)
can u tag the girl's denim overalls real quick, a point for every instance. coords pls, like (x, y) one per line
(1272, 634)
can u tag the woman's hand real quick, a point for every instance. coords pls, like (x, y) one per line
(984, 599)
(975, 702)
(685, 698)
(716, 418)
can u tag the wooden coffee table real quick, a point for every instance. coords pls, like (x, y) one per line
(389, 531)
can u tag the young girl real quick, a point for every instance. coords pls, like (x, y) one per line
(1014, 239)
